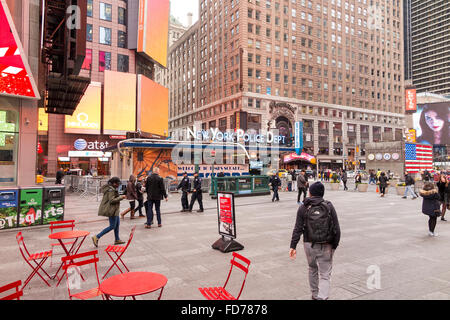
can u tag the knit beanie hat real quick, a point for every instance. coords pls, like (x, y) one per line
(317, 189)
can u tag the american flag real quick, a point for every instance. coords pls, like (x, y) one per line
(418, 157)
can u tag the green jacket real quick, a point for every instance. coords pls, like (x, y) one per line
(110, 205)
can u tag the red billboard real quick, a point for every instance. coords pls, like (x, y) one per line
(15, 75)
(411, 100)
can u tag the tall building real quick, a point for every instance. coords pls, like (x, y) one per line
(427, 46)
(121, 53)
(335, 65)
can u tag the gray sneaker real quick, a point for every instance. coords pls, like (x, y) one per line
(95, 241)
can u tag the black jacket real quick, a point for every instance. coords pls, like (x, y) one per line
(430, 204)
(155, 187)
(275, 181)
(442, 189)
(139, 193)
(300, 223)
(198, 184)
(409, 181)
(185, 185)
(383, 181)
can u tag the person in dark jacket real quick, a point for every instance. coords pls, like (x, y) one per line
(302, 185)
(344, 179)
(275, 183)
(59, 176)
(444, 194)
(155, 193)
(185, 186)
(430, 206)
(131, 197)
(140, 190)
(110, 207)
(409, 182)
(197, 194)
(319, 256)
(358, 180)
(383, 182)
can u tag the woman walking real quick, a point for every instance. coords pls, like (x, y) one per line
(109, 207)
(430, 206)
(383, 181)
(444, 194)
(131, 197)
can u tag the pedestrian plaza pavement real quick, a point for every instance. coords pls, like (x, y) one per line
(388, 233)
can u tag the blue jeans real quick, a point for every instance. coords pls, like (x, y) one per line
(114, 223)
(157, 204)
(372, 180)
(409, 190)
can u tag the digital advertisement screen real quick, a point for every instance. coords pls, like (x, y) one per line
(431, 122)
(153, 107)
(154, 29)
(119, 110)
(87, 117)
(16, 78)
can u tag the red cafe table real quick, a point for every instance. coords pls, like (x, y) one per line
(133, 284)
(68, 235)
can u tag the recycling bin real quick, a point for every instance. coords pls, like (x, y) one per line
(30, 206)
(53, 207)
(9, 203)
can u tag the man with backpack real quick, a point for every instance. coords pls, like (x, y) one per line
(317, 221)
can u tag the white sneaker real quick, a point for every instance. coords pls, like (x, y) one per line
(435, 234)
(300, 203)
(431, 234)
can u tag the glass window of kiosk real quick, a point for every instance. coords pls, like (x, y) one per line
(9, 136)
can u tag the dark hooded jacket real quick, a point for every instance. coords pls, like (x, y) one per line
(110, 205)
(430, 204)
(300, 223)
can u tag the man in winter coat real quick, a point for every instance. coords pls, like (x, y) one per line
(275, 183)
(409, 182)
(155, 193)
(131, 196)
(344, 179)
(185, 186)
(197, 194)
(302, 185)
(319, 255)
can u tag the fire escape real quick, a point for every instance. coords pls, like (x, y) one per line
(63, 53)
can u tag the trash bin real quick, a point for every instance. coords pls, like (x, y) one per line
(9, 202)
(54, 200)
(30, 207)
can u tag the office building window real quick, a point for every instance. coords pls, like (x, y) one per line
(89, 8)
(104, 61)
(121, 39)
(105, 11)
(105, 35)
(122, 63)
(89, 32)
(122, 15)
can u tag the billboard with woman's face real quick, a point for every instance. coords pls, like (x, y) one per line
(431, 123)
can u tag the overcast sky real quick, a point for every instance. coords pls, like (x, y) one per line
(180, 8)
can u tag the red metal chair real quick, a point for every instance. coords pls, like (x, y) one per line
(220, 293)
(118, 251)
(70, 263)
(15, 295)
(61, 226)
(38, 258)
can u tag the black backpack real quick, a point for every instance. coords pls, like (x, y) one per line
(319, 223)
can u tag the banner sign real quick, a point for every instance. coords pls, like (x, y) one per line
(226, 214)
(298, 137)
(205, 171)
(302, 156)
(411, 100)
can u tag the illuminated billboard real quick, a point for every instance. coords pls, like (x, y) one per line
(15, 75)
(119, 100)
(411, 100)
(431, 122)
(43, 120)
(153, 29)
(87, 117)
(153, 107)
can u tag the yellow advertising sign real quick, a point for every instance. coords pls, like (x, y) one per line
(87, 117)
(153, 107)
(119, 111)
(43, 120)
(411, 136)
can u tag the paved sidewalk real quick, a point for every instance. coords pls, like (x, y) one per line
(390, 233)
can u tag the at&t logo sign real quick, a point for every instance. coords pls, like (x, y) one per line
(80, 144)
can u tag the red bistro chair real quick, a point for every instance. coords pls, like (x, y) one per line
(58, 226)
(37, 258)
(70, 262)
(220, 293)
(118, 251)
(15, 295)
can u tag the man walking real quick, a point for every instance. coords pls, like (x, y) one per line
(344, 179)
(197, 194)
(155, 193)
(302, 186)
(275, 183)
(372, 178)
(185, 186)
(318, 223)
(59, 176)
(131, 197)
(409, 182)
